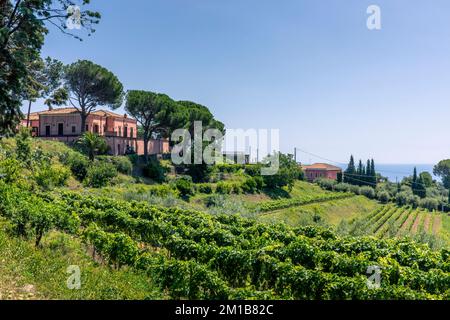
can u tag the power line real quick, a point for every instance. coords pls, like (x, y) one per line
(344, 163)
(351, 174)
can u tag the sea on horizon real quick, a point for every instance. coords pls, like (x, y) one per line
(396, 172)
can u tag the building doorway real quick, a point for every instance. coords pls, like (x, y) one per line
(47, 131)
(60, 129)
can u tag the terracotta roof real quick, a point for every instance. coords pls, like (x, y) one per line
(59, 111)
(33, 116)
(69, 110)
(322, 166)
(105, 113)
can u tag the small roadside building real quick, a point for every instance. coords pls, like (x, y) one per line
(321, 170)
(236, 157)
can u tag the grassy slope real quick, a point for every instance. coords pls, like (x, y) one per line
(330, 212)
(445, 227)
(30, 273)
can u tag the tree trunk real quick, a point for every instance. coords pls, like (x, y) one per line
(28, 114)
(83, 122)
(38, 239)
(146, 148)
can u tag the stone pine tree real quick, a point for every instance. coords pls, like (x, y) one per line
(44, 81)
(23, 27)
(89, 86)
(156, 113)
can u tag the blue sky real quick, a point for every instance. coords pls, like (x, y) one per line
(309, 68)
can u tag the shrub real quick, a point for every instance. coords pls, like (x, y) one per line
(185, 186)
(402, 198)
(383, 196)
(23, 143)
(134, 158)
(229, 168)
(49, 176)
(429, 203)
(100, 174)
(413, 200)
(368, 192)
(355, 189)
(259, 182)
(9, 170)
(224, 188)
(214, 200)
(326, 184)
(154, 170)
(343, 187)
(205, 188)
(253, 170)
(249, 185)
(236, 188)
(163, 190)
(288, 171)
(78, 164)
(122, 163)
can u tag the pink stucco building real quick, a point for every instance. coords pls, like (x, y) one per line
(321, 170)
(120, 131)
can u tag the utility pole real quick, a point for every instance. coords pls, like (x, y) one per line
(295, 155)
(257, 155)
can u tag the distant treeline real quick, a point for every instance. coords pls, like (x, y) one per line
(362, 175)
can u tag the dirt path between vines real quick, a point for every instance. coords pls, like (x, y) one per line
(416, 224)
(405, 224)
(426, 223)
(437, 224)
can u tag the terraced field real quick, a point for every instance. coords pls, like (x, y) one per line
(392, 221)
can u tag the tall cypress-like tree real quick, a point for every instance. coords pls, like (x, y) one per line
(361, 172)
(414, 181)
(421, 189)
(373, 172)
(368, 177)
(349, 174)
(418, 185)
